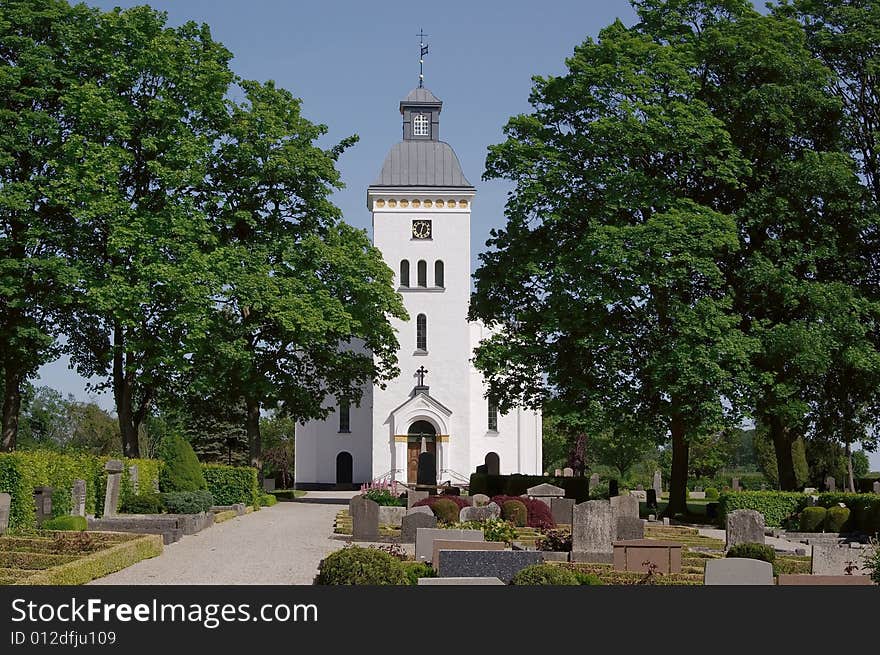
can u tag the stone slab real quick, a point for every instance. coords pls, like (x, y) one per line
(441, 582)
(425, 540)
(697, 495)
(789, 579)
(737, 571)
(744, 526)
(562, 510)
(451, 544)
(364, 518)
(627, 527)
(490, 511)
(114, 466)
(501, 564)
(111, 493)
(627, 505)
(638, 554)
(389, 515)
(829, 558)
(5, 505)
(640, 494)
(413, 521)
(554, 556)
(592, 530)
(78, 498)
(480, 500)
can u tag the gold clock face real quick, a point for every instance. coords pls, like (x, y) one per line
(421, 229)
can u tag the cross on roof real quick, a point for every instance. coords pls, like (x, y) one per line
(423, 50)
(421, 374)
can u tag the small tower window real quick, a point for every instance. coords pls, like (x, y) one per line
(493, 416)
(438, 274)
(422, 268)
(344, 416)
(404, 272)
(420, 125)
(422, 332)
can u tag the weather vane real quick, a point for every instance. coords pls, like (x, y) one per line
(423, 50)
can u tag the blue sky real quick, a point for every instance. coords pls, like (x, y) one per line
(351, 63)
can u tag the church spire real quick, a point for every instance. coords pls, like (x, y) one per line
(423, 50)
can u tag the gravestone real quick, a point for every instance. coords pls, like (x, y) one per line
(613, 489)
(833, 559)
(391, 515)
(425, 540)
(114, 479)
(78, 498)
(490, 511)
(737, 571)
(627, 528)
(421, 509)
(698, 488)
(413, 521)
(545, 492)
(651, 499)
(592, 532)
(501, 564)
(5, 505)
(744, 526)
(557, 473)
(876, 487)
(412, 497)
(43, 504)
(452, 544)
(134, 476)
(493, 464)
(482, 470)
(735, 484)
(364, 518)
(627, 505)
(458, 582)
(567, 472)
(640, 487)
(268, 484)
(427, 471)
(481, 500)
(561, 509)
(640, 494)
(658, 483)
(830, 483)
(594, 480)
(697, 495)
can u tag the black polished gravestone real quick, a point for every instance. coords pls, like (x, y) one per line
(427, 472)
(613, 489)
(651, 495)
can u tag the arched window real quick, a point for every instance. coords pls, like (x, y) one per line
(420, 125)
(438, 274)
(404, 272)
(493, 416)
(344, 416)
(422, 272)
(421, 332)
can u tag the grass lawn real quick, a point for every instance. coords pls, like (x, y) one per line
(71, 558)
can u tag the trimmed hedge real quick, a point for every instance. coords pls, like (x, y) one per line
(267, 500)
(864, 510)
(77, 523)
(544, 575)
(144, 503)
(416, 570)
(181, 470)
(187, 502)
(445, 510)
(97, 565)
(761, 552)
(836, 518)
(361, 566)
(812, 519)
(776, 506)
(516, 485)
(232, 484)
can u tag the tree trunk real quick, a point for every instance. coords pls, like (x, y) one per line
(122, 393)
(782, 443)
(850, 481)
(255, 444)
(678, 477)
(11, 409)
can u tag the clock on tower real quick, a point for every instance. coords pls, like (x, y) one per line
(421, 229)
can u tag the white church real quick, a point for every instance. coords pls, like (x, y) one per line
(432, 424)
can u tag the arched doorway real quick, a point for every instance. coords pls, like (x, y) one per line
(421, 453)
(493, 464)
(344, 468)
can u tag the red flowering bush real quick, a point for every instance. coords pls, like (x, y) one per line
(539, 515)
(430, 500)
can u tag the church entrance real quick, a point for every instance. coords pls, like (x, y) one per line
(421, 454)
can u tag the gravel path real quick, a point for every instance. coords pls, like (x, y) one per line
(277, 545)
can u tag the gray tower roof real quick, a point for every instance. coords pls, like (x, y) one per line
(422, 163)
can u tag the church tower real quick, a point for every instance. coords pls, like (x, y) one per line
(421, 204)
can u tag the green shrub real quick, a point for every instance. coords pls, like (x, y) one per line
(588, 579)
(187, 502)
(864, 510)
(515, 512)
(836, 518)
(545, 574)
(446, 510)
(576, 487)
(762, 552)
(267, 500)
(872, 560)
(232, 484)
(416, 570)
(77, 523)
(148, 479)
(776, 506)
(384, 498)
(812, 519)
(145, 503)
(361, 566)
(711, 493)
(494, 529)
(180, 470)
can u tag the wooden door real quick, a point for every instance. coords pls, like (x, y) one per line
(412, 461)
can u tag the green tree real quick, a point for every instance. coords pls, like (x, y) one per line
(304, 311)
(35, 279)
(45, 419)
(604, 282)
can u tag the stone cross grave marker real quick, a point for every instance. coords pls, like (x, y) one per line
(78, 498)
(114, 478)
(744, 526)
(592, 532)
(364, 518)
(5, 505)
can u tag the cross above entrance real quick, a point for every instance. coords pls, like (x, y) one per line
(421, 375)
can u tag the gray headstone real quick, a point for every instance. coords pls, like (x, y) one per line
(5, 504)
(830, 483)
(421, 509)
(592, 531)
(501, 564)
(268, 484)
(111, 495)
(829, 558)
(389, 515)
(425, 540)
(737, 571)
(451, 544)
(490, 511)
(562, 509)
(43, 504)
(627, 505)
(412, 497)
(735, 484)
(113, 466)
(545, 492)
(698, 488)
(876, 487)
(640, 487)
(557, 473)
(438, 582)
(658, 483)
(364, 518)
(698, 495)
(134, 476)
(481, 500)
(640, 494)
(745, 526)
(594, 480)
(493, 464)
(78, 498)
(567, 472)
(629, 528)
(415, 520)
